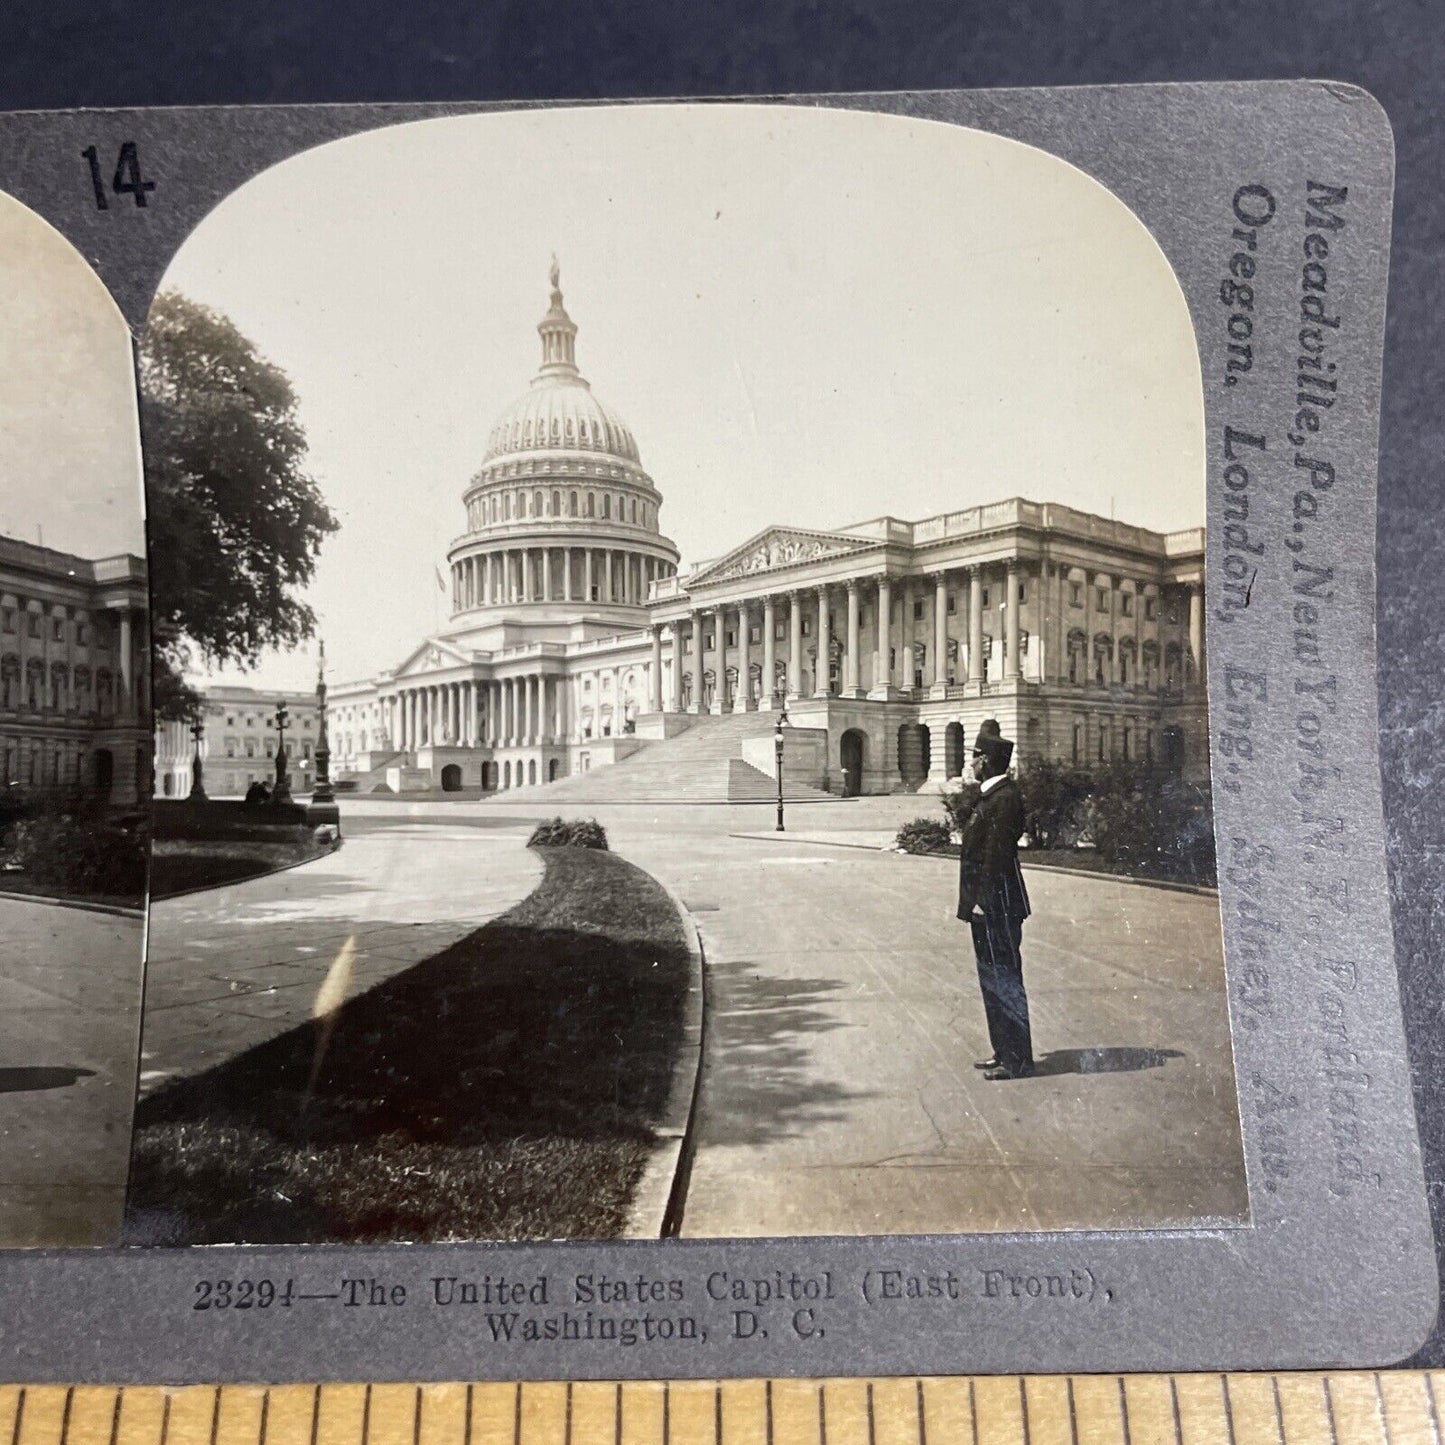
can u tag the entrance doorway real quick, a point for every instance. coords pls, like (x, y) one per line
(451, 778)
(103, 771)
(552, 770)
(913, 754)
(953, 743)
(852, 748)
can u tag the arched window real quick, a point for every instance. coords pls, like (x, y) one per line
(537, 503)
(591, 505)
(607, 505)
(507, 504)
(556, 504)
(572, 506)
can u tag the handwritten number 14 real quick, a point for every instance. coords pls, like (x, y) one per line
(127, 180)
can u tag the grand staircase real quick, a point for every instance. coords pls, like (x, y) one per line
(702, 765)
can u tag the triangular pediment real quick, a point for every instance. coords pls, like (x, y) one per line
(433, 655)
(774, 548)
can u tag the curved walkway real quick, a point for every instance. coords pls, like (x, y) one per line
(70, 984)
(232, 967)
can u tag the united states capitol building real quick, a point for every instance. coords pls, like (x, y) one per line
(575, 641)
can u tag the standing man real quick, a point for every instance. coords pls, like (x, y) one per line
(993, 900)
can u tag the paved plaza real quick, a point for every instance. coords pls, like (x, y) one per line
(838, 1093)
(232, 967)
(70, 986)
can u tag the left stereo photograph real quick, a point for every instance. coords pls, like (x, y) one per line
(75, 742)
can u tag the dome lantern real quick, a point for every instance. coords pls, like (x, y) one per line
(559, 334)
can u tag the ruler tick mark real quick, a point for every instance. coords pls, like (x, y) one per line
(115, 1418)
(1174, 1406)
(1434, 1413)
(467, 1428)
(65, 1417)
(872, 1432)
(717, 1413)
(315, 1413)
(416, 1418)
(166, 1419)
(517, 1416)
(1330, 1409)
(19, 1416)
(1024, 1414)
(1228, 1408)
(1278, 1408)
(1380, 1406)
(265, 1416)
(617, 1415)
(365, 1417)
(822, 1417)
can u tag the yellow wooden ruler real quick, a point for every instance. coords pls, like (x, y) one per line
(1396, 1407)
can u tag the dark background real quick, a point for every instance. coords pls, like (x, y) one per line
(158, 53)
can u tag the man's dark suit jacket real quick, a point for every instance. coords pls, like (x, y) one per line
(989, 876)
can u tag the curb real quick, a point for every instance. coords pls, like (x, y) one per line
(114, 909)
(661, 1193)
(1198, 889)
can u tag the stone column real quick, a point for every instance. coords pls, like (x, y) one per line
(127, 669)
(720, 662)
(795, 646)
(770, 653)
(1012, 669)
(587, 568)
(821, 684)
(745, 658)
(546, 574)
(940, 635)
(674, 677)
(1196, 630)
(694, 620)
(975, 624)
(851, 658)
(566, 574)
(883, 639)
(606, 574)
(654, 681)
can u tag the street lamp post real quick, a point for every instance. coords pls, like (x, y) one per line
(778, 758)
(281, 793)
(198, 786)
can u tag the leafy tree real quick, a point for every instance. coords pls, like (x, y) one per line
(234, 520)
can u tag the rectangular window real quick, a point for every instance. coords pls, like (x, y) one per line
(1023, 591)
(709, 641)
(732, 636)
(807, 627)
(1103, 599)
(82, 634)
(918, 609)
(1076, 594)
(34, 628)
(1126, 604)
(57, 629)
(984, 597)
(8, 619)
(1149, 609)
(779, 631)
(952, 603)
(755, 634)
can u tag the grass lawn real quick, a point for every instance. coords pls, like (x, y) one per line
(504, 1089)
(179, 865)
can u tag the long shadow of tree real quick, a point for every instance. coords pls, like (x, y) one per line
(760, 1083)
(505, 1088)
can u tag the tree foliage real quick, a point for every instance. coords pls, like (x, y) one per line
(235, 521)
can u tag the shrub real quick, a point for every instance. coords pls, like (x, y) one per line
(923, 835)
(1053, 799)
(1146, 822)
(89, 855)
(568, 833)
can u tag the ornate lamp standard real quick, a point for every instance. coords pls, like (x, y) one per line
(322, 793)
(198, 785)
(778, 759)
(281, 793)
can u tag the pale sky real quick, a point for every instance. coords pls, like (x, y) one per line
(808, 317)
(70, 472)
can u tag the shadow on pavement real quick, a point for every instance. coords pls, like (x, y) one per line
(759, 1082)
(33, 1080)
(1104, 1061)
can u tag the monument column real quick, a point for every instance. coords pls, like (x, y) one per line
(850, 662)
(694, 620)
(566, 574)
(1012, 670)
(607, 574)
(127, 672)
(940, 635)
(975, 624)
(795, 646)
(654, 682)
(770, 654)
(821, 679)
(546, 574)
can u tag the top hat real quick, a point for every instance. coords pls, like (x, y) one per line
(997, 749)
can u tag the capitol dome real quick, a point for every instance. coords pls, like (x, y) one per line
(558, 412)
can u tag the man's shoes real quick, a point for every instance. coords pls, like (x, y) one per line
(989, 1063)
(1024, 1071)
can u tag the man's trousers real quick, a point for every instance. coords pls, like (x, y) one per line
(997, 939)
